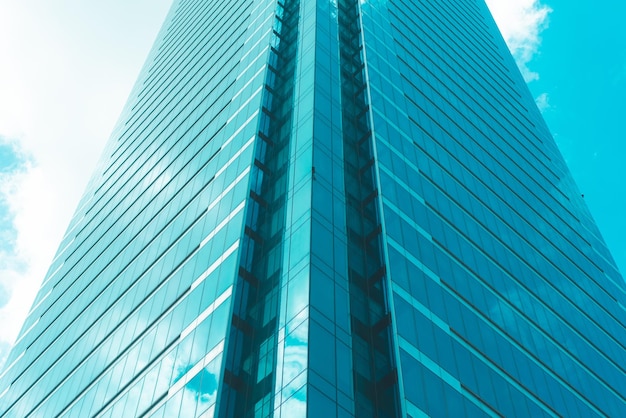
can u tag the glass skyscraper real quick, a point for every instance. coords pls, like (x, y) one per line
(327, 209)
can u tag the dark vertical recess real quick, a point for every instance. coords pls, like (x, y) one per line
(375, 373)
(250, 367)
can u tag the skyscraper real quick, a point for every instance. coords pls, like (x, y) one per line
(314, 208)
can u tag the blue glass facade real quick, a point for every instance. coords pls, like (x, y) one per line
(327, 208)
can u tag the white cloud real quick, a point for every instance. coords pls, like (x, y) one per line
(521, 23)
(15, 169)
(543, 102)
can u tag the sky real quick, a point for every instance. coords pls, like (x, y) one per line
(67, 67)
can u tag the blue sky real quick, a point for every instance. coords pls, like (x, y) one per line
(582, 70)
(68, 66)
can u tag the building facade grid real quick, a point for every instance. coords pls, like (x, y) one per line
(327, 208)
